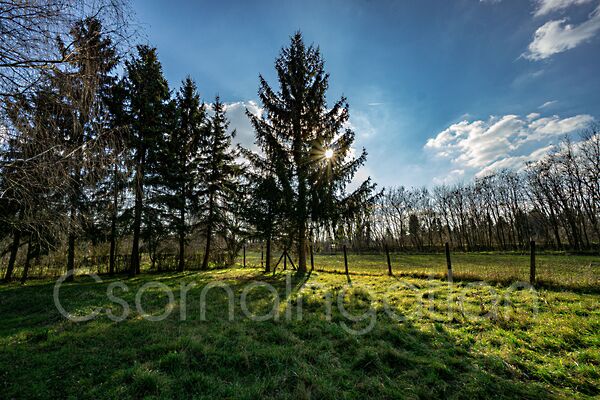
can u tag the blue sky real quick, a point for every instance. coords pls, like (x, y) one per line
(439, 91)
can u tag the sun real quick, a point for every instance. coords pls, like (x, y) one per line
(328, 154)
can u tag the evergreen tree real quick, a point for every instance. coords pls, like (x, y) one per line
(182, 174)
(308, 144)
(219, 186)
(148, 116)
(112, 190)
(157, 213)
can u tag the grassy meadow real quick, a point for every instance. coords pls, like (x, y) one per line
(560, 270)
(366, 335)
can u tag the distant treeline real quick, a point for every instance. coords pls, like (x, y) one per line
(555, 201)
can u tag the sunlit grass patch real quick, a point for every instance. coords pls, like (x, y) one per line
(429, 339)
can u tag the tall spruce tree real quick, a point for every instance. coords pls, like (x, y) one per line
(148, 116)
(157, 213)
(218, 187)
(182, 175)
(308, 144)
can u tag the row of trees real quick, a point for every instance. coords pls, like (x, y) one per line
(555, 201)
(94, 158)
(90, 156)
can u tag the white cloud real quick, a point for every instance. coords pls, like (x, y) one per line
(557, 36)
(499, 142)
(548, 104)
(515, 163)
(238, 120)
(544, 7)
(552, 126)
(475, 144)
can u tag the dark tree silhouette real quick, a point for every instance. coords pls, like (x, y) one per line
(182, 175)
(147, 108)
(309, 144)
(218, 187)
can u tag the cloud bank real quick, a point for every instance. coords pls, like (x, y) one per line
(509, 141)
(544, 7)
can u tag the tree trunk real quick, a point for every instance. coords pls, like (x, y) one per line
(302, 249)
(207, 248)
(74, 211)
(113, 225)
(71, 239)
(13, 255)
(27, 262)
(268, 255)
(71, 257)
(113, 249)
(181, 265)
(209, 229)
(302, 206)
(137, 221)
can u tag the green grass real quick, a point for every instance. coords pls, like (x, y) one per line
(466, 341)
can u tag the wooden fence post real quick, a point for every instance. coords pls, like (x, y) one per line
(345, 260)
(244, 256)
(532, 264)
(387, 253)
(448, 262)
(312, 259)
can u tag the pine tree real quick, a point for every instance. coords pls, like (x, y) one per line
(219, 172)
(181, 175)
(308, 144)
(157, 213)
(147, 110)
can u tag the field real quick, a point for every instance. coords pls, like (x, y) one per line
(325, 336)
(581, 273)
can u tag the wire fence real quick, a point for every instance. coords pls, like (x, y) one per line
(551, 269)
